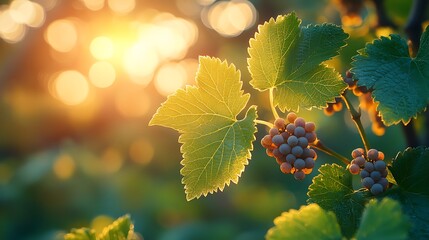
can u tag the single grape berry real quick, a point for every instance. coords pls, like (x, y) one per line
(376, 189)
(303, 142)
(299, 164)
(375, 175)
(367, 182)
(360, 161)
(290, 158)
(309, 163)
(292, 141)
(369, 167)
(372, 154)
(297, 151)
(285, 167)
(299, 122)
(280, 123)
(278, 140)
(311, 137)
(364, 174)
(291, 117)
(290, 128)
(354, 169)
(299, 132)
(299, 175)
(273, 132)
(380, 165)
(358, 152)
(310, 126)
(285, 148)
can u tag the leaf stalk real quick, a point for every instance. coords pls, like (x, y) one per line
(320, 146)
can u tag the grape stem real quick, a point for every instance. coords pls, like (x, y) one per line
(320, 146)
(268, 124)
(356, 119)
(273, 108)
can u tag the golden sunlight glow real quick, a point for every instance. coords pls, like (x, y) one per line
(169, 78)
(102, 48)
(112, 160)
(26, 12)
(132, 102)
(10, 30)
(140, 60)
(230, 19)
(93, 5)
(102, 74)
(61, 35)
(121, 6)
(64, 166)
(191, 67)
(141, 151)
(205, 2)
(71, 87)
(100, 222)
(351, 20)
(383, 31)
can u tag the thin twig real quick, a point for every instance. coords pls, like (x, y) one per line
(382, 19)
(320, 146)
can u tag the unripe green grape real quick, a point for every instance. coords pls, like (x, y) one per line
(290, 158)
(380, 165)
(376, 189)
(279, 123)
(357, 152)
(299, 122)
(368, 182)
(309, 163)
(311, 137)
(278, 140)
(297, 151)
(285, 167)
(299, 132)
(376, 175)
(360, 161)
(292, 141)
(273, 132)
(369, 166)
(291, 117)
(354, 169)
(299, 175)
(372, 154)
(299, 164)
(303, 142)
(310, 127)
(364, 174)
(290, 128)
(285, 149)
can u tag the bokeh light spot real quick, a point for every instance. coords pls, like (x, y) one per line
(121, 6)
(140, 60)
(71, 87)
(141, 151)
(102, 74)
(112, 160)
(169, 78)
(93, 5)
(102, 48)
(61, 35)
(64, 166)
(132, 102)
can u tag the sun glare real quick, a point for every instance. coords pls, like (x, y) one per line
(71, 87)
(61, 35)
(102, 48)
(102, 74)
(170, 77)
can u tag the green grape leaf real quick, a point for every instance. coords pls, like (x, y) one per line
(410, 170)
(309, 222)
(332, 189)
(216, 146)
(118, 230)
(400, 83)
(287, 59)
(80, 234)
(383, 220)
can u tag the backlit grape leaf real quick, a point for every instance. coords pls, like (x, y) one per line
(410, 170)
(332, 189)
(288, 59)
(383, 220)
(216, 146)
(309, 222)
(80, 234)
(118, 230)
(400, 83)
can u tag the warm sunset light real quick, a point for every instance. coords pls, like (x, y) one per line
(169, 78)
(102, 48)
(61, 35)
(64, 166)
(102, 74)
(141, 151)
(26, 12)
(93, 5)
(121, 6)
(10, 30)
(71, 87)
(132, 102)
(140, 60)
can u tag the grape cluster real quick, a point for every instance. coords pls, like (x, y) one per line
(372, 169)
(288, 142)
(367, 103)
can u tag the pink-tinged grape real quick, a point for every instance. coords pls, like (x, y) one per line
(292, 141)
(376, 175)
(354, 169)
(372, 154)
(278, 140)
(376, 189)
(290, 158)
(380, 165)
(285, 135)
(364, 174)
(310, 127)
(303, 142)
(273, 132)
(297, 151)
(285, 167)
(279, 123)
(368, 182)
(309, 163)
(280, 160)
(299, 122)
(269, 152)
(383, 182)
(380, 155)
(290, 128)
(360, 161)
(285, 149)
(311, 137)
(299, 132)
(291, 117)
(369, 166)
(277, 153)
(299, 175)
(266, 141)
(299, 164)
(357, 152)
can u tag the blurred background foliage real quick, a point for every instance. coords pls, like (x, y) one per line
(79, 81)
